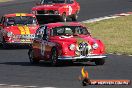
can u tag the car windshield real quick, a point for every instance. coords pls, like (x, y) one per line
(21, 20)
(52, 1)
(69, 30)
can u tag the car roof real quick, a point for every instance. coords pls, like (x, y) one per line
(18, 14)
(58, 24)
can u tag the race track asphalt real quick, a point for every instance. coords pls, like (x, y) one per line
(15, 68)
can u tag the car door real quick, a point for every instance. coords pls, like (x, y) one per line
(46, 45)
(37, 41)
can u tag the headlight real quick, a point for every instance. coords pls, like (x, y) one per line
(56, 12)
(72, 47)
(95, 46)
(9, 34)
(34, 12)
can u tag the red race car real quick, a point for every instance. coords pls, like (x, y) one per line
(17, 28)
(57, 9)
(57, 42)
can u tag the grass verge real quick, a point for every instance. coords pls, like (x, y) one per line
(115, 33)
(6, 0)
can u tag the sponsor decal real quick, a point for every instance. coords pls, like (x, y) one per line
(24, 29)
(20, 14)
(87, 81)
(27, 30)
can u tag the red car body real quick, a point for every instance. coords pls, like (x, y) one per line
(17, 28)
(71, 41)
(58, 9)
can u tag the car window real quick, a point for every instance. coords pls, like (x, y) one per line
(69, 1)
(69, 30)
(40, 32)
(21, 20)
(52, 1)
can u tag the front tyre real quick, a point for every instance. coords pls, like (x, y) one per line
(54, 57)
(74, 17)
(100, 61)
(32, 59)
(64, 17)
(4, 44)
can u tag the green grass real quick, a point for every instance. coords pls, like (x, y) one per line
(116, 34)
(5, 0)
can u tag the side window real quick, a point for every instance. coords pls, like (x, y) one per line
(45, 35)
(69, 1)
(40, 32)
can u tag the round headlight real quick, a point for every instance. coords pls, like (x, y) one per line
(9, 34)
(95, 46)
(72, 47)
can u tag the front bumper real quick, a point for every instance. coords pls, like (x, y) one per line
(48, 18)
(82, 58)
(20, 42)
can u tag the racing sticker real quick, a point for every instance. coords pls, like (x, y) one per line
(24, 29)
(70, 10)
(42, 48)
(20, 14)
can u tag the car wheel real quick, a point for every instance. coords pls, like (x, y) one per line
(54, 57)
(4, 44)
(100, 61)
(64, 17)
(31, 57)
(74, 17)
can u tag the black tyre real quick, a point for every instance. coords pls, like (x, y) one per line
(74, 17)
(100, 61)
(5, 45)
(64, 17)
(31, 57)
(54, 57)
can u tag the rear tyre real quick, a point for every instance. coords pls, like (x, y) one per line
(32, 59)
(54, 57)
(100, 61)
(4, 44)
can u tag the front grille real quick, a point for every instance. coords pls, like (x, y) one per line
(83, 48)
(40, 12)
(46, 12)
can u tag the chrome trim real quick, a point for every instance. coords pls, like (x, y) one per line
(82, 57)
(49, 14)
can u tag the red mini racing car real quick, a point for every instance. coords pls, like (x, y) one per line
(17, 28)
(57, 9)
(57, 42)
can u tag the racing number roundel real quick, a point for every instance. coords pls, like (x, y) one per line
(70, 10)
(42, 48)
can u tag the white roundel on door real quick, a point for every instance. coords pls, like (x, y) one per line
(70, 10)
(42, 48)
